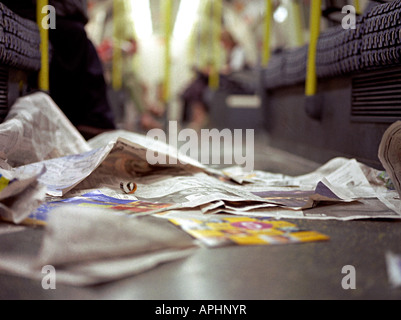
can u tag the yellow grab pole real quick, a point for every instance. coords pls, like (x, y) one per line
(168, 28)
(298, 27)
(44, 83)
(117, 77)
(314, 29)
(358, 8)
(214, 79)
(267, 33)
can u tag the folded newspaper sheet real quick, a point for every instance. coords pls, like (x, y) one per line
(101, 247)
(35, 129)
(14, 187)
(121, 158)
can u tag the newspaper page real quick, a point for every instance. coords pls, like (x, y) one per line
(102, 247)
(347, 178)
(20, 194)
(63, 174)
(362, 209)
(12, 183)
(35, 130)
(204, 190)
(278, 180)
(350, 179)
(148, 146)
(390, 154)
(121, 158)
(100, 199)
(109, 160)
(215, 195)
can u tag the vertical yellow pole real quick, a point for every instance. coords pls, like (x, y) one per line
(192, 53)
(298, 27)
(44, 83)
(314, 29)
(358, 8)
(117, 78)
(168, 10)
(267, 33)
(217, 8)
(132, 33)
(203, 44)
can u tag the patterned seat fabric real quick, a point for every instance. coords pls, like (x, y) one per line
(19, 41)
(375, 43)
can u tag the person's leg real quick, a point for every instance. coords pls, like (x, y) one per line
(77, 83)
(195, 110)
(199, 116)
(97, 95)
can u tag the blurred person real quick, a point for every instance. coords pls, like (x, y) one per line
(235, 54)
(196, 106)
(135, 93)
(77, 81)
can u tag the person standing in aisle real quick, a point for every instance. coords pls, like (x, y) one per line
(77, 81)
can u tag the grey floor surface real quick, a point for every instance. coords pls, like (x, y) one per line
(299, 271)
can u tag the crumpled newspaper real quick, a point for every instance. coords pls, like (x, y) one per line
(92, 246)
(20, 194)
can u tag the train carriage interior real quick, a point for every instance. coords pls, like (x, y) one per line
(310, 82)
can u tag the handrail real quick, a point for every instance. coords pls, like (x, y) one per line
(358, 8)
(168, 29)
(217, 12)
(267, 33)
(117, 77)
(298, 27)
(314, 28)
(43, 80)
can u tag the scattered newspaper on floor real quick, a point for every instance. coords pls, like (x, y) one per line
(78, 190)
(71, 168)
(68, 165)
(101, 247)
